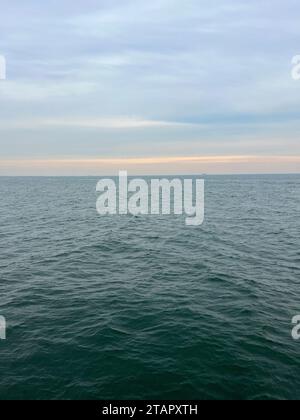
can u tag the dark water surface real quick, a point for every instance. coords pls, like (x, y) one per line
(145, 307)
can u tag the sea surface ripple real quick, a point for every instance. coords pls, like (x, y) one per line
(145, 307)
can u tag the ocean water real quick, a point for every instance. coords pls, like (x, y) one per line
(145, 307)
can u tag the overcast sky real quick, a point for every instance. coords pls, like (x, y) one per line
(91, 83)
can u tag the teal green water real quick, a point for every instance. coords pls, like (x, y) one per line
(145, 307)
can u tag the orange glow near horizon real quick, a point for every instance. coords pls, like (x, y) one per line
(151, 160)
(161, 165)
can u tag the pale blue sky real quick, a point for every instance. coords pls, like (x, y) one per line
(134, 78)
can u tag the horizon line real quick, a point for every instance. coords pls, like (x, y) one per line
(168, 175)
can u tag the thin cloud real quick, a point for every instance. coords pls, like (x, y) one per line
(112, 123)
